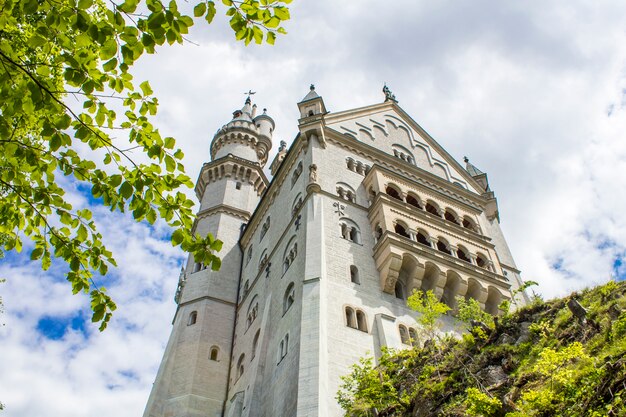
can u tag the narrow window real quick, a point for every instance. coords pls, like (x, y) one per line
(238, 185)
(289, 297)
(413, 336)
(193, 316)
(255, 342)
(354, 274)
(296, 174)
(214, 353)
(399, 290)
(350, 318)
(361, 321)
(240, 365)
(404, 335)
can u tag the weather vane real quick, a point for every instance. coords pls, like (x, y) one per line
(249, 93)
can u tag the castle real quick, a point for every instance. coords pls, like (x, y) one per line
(317, 263)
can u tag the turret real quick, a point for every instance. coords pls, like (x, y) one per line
(245, 136)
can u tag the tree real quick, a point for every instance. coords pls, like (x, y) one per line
(53, 49)
(430, 310)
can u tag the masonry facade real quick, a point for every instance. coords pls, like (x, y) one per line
(363, 208)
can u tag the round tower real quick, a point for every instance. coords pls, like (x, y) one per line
(246, 136)
(194, 374)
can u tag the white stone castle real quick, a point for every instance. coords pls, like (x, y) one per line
(317, 263)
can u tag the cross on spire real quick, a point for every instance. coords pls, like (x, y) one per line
(249, 93)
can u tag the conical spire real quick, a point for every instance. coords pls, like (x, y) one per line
(473, 171)
(311, 95)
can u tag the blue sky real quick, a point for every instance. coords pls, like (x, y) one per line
(534, 96)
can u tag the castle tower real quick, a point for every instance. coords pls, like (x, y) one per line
(363, 208)
(193, 376)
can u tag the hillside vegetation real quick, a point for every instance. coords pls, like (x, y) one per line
(546, 359)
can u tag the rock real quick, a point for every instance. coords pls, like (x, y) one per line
(614, 312)
(524, 335)
(493, 376)
(505, 339)
(577, 310)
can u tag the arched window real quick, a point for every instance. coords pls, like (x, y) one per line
(378, 232)
(393, 192)
(346, 192)
(255, 342)
(349, 230)
(214, 353)
(463, 254)
(481, 260)
(246, 288)
(193, 316)
(253, 311)
(296, 174)
(401, 229)
(265, 227)
(289, 297)
(290, 254)
(469, 224)
(413, 336)
(432, 208)
(361, 321)
(442, 246)
(412, 200)
(451, 216)
(283, 348)
(354, 275)
(350, 318)
(404, 335)
(240, 363)
(399, 290)
(422, 238)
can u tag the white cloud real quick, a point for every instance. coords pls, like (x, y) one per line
(525, 92)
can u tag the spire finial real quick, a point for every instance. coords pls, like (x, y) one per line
(312, 87)
(249, 93)
(465, 159)
(389, 96)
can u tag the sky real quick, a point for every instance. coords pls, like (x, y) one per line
(534, 95)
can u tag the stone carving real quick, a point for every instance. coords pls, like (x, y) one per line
(283, 146)
(339, 208)
(313, 173)
(388, 94)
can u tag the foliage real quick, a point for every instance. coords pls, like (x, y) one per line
(430, 310)
(469, 310)
(368, 388)
(480, 404)
(52, 50)
(538, 362)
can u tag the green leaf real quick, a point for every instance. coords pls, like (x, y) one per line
(84, 4)
(271, 38)
(36, 253)
(145, 88)
(281, 12)
(177, 237)
(199, 10)
(211, 12)
(126, 190)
